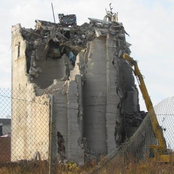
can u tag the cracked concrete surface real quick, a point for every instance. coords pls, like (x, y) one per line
(93, 87)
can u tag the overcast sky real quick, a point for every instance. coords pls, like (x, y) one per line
(150, 24)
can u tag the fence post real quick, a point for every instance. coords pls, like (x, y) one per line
(51, 136)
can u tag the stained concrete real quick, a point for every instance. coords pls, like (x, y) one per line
(92, 96)
(95, 96)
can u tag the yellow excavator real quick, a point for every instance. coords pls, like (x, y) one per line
(158, 152)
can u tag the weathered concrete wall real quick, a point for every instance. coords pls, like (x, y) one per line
(66, 113)
(30, 126)
(19, 79)
(30, 114)
(112, 111)
(49, 69)
(37, 127)
(75, 152)
(95, 96)
(60, 116)
(88, 105)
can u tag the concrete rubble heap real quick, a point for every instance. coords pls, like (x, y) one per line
(95, 105)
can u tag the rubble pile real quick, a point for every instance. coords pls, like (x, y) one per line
(134, 119)
(90, 155)
(55, 40)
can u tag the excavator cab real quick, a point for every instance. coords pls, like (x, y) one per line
(154, 151)
(157, 153)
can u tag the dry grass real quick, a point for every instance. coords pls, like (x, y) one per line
(113, 167)
(131, 166)
(31, 167)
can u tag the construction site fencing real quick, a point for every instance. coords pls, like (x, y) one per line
(24, 132)
(134, 156)
(29, 142)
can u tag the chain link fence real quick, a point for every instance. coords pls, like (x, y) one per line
(29, 142)
(24, 132)
(134, 155)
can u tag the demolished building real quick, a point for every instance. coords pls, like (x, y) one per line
(80, 71)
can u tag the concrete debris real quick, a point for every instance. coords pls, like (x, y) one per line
(67, 38)
(95, 99)
(134, 119)
(99, 21)
(93, 155)
(67, 19)
(110, 16)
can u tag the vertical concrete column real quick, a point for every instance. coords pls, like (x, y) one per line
(19, 81)
(60, 119)
(112, 98)
(95, 95)
(75, 153)
(80, 102)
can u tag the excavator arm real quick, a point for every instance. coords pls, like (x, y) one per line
(156, 127)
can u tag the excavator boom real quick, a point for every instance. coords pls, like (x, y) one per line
(156, 127)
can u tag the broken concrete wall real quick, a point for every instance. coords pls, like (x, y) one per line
(95, 96)
(113, 116)
(75, 128)
(19, 60)
(19, 80)
(37, 127)
(137, 147)
(60, 115)
(67, 118)
(102, 105)
(27, 139)
(92, 86)
(46, 69)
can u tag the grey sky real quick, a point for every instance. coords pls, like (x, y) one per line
(149, 23)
